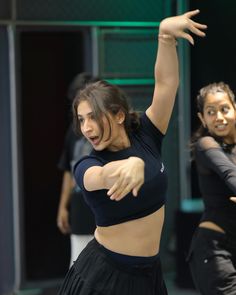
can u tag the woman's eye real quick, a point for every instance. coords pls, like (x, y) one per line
(225, 109)
(211, 112)
(80, 120)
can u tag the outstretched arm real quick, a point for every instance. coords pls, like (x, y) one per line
(209, 153)
(119, 177)
(166, 66)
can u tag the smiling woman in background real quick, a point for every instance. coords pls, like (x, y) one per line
(212, 254)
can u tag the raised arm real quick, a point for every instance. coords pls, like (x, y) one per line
(166, 66)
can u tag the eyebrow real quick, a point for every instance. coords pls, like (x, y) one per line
(214, 107)
(210, 107)
(88, 114)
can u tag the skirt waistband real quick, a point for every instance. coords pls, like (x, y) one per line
(127, 259)
(130, 264)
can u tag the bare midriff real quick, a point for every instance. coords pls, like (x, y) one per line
(211, 225)
(139, 237)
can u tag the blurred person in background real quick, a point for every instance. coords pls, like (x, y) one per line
(74, 216)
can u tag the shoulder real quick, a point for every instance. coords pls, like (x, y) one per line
(148, 127)
(206, 143)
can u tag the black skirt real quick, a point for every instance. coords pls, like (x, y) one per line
(95, 272)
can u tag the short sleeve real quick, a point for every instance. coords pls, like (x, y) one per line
(82, 165)
(150, 130)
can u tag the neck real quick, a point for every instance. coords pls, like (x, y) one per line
(122, 142)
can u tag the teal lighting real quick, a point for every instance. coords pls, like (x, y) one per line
(131, 81)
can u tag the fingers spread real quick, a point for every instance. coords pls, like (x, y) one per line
(191, 13)
(188, 37)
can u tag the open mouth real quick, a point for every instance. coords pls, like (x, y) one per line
(94, 140)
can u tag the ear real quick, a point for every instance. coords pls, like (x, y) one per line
(120, 117)
(202, 119)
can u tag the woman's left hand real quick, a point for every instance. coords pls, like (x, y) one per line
(176, 26)
(129, 178)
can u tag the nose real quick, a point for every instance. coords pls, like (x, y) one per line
(86, 127)
(219, 116)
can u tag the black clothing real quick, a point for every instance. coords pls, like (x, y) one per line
(212, 260)
(81, 218)
(67, 155)
(145, 143)
(212, 255)
(74, 148)
(217, 179)
(96, 273)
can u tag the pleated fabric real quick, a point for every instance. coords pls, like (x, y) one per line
(96, 273)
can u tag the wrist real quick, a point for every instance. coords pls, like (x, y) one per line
(167, 39)
(137, 159)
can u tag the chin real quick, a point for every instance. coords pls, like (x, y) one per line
(98, 148)
(221, 134)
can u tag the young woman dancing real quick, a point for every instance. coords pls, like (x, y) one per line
(124, 179)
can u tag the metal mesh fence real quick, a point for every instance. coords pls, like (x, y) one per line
(96, 10)
(127, 53)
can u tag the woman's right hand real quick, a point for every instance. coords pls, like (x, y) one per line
(130, 177)
(63, 220)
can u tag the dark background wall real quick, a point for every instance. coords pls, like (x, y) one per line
(48, 60)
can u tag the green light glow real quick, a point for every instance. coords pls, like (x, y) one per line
(131, 81)
(116, 24)
(90, 23)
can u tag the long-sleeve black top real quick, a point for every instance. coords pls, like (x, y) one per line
(216, 165)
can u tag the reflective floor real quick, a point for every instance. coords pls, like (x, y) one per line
(175, 290)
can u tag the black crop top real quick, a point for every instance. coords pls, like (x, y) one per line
(146, 143)
(216, 165)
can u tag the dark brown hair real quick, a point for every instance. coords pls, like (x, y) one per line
(105, 98)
